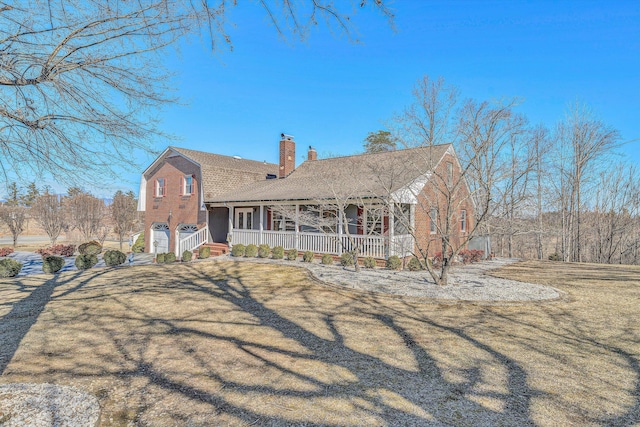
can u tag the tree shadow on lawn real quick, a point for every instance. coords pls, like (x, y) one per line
(233, 344)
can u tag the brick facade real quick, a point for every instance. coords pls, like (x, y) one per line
(441, 199)
(287, 156)
(174, 208)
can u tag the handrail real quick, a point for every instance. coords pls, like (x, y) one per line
(193, 241)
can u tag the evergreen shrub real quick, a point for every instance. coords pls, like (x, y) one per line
(394, 263)
(113, 258)
(9, 267)
(308, 256)
(251, 251)
(52, 263)
(327, 259)
(278, 252)
(86, 261)
(263, 251)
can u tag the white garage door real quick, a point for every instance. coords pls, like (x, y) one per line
(160, 238)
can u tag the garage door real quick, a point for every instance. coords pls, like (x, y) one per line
(160, 238)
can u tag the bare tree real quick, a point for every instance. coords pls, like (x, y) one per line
(86, 213)
(81, 80)
(123, 213)
(49, 213)
(584, 142)
(14, 218)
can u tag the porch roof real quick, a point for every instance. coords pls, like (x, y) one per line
(360, 176)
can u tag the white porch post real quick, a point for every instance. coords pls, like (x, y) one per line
(230, 225)
(340, 213)
(297, 226)
(392, 224)
(364, 220)
(261, 222)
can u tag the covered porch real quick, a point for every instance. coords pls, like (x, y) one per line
(370, 229)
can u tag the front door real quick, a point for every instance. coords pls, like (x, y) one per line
(244, 218)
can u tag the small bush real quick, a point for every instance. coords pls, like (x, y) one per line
(170, 257)
(52, 264)
(307, 256)
(62, 250)
(394, 263)
(292, 254)
(90, 248)
(113, 258)
(264, 251)
(278, 252)
(138, 246)
(414, 264)
(86, 261)
(346, 259)
(251, 251)
(160, 258)
(9, 267)
(555, 257)
(327, 259)
(204, 252)
(6, 252)
(436, 261)
(238, 249)
(186, 256)
(369, 262)
(471, 256)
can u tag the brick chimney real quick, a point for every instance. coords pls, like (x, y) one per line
(312, 154)
(287, 155)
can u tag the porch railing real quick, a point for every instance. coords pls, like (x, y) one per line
(327, 243)
(192, 241)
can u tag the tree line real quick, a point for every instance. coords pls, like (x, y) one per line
(561, 192)
(78, 210)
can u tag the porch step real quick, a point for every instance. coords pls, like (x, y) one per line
(217, 249)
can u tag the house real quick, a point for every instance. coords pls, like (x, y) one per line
(379, 204)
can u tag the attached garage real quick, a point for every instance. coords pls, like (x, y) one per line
(159, 238)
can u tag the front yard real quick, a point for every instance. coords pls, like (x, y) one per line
(224, 343)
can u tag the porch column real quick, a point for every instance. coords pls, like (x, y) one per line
(297, 226)
(230, 233)
(261, 223)
(392, 221)
(340, 213)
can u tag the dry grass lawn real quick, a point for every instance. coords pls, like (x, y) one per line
(215, 343)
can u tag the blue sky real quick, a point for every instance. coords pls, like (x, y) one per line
(330, 93)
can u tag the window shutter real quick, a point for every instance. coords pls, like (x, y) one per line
(182, 185)
(359, 229)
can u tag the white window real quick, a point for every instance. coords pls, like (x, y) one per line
(187, 185)
(433, 216)
(463, 220)
(160, 187)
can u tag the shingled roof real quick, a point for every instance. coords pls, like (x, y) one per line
(364, 175)
(225, 174)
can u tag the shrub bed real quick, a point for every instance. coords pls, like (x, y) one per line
(90, 248)
(52, 263)
(292, 254)
(61, 250)
(86, 261)
(471, 256)
(369, 262)
(9, 267)
(278, 252)
(113, 258)
(251, 251)
(415, 264)
(238, 249)
(346, 259)
(138, 246)
(394, 263)
(6, 251)
(204, 252)
(264, 251)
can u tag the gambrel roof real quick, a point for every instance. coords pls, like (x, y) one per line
(363, 176)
